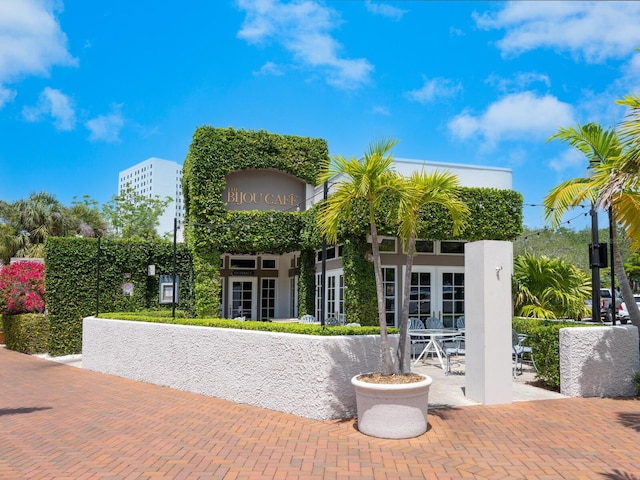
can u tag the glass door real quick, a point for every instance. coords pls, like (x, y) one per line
(437, 292)
(451, 295)
(242, 298)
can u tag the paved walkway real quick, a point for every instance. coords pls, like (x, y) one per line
(61, 422)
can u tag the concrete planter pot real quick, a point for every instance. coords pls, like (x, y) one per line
(392, 410)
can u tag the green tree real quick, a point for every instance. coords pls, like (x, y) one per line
(604, 153)
(28, 224)
(546, 287)
(86, 217)
(368, 179)
(418, 190)
(134, 216)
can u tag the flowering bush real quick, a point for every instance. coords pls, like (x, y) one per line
(22, 288)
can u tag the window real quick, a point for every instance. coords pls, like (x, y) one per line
(243, 263)
(269, 264)
(424, 246)
(454, 248)
(389, 288)
(332, 252)
(385, 244)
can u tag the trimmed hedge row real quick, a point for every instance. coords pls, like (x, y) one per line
(26, 332)
(543, 336)
(299, 328)
(71, 282)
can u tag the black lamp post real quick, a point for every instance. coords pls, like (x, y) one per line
(173, 293)
(595, 266)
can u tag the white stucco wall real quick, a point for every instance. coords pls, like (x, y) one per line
(599, 361)
(305, 375)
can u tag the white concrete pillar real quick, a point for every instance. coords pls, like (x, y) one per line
(488, 314)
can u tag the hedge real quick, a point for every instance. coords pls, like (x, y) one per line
(26, 332)
(543, 336)
(298, 328)
(71, 281)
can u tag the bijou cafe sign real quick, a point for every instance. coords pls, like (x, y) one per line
(264, 189)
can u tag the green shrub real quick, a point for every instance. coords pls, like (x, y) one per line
(26, 333)
(299, 328)
(543, 336)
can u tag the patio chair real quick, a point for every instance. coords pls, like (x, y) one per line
(458, 348)
(416, 324)
(308, 319)
(331, 321)
(460, 323)
(519, 350)
(433, 322)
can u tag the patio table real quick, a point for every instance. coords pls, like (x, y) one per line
(433, 346)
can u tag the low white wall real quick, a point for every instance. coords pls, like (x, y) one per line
(306, 375)
(599, 361)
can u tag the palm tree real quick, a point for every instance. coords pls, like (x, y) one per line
(603, 151)
(546, 287)
(369, 179)
(421, 189)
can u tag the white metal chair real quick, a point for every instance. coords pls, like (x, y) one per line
(458, 348)
(331, 321)
(433, 322)
(308, 319)
(417, 343)
(519, 350)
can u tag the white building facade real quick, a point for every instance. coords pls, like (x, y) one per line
(156, 177)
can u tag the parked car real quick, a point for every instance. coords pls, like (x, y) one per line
(605, 304)
(623, 312)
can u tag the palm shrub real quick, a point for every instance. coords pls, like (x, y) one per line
(546, 287)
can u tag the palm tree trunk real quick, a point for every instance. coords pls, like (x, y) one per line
(388, 366)
(405, 353)
(623, 281)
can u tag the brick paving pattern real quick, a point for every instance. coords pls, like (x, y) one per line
(61, 422)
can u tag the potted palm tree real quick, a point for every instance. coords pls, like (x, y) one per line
(391, 403)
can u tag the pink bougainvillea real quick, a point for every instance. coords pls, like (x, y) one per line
(22, 288)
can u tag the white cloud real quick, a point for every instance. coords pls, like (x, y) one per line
(385, 10)
(381, 110)
(594, 30)
(568, 159)
(55, 104)
(269, 68)
(520, 116)
(6, 95)
(106, 128)
(518, 82)
(434, 89)
(31, 41)
(303, 28)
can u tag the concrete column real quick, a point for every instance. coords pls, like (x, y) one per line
(488, 314)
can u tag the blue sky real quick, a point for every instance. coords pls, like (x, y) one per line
(90, 88)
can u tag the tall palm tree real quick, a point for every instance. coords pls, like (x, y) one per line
(421, 189)
(370, 179)
(603, 151)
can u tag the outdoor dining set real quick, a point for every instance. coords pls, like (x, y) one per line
(431, 337)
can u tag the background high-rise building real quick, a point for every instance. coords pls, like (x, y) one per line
(162, 178)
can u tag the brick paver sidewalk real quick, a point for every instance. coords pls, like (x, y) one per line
(61, 422)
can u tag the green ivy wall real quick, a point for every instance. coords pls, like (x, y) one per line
(211, 229)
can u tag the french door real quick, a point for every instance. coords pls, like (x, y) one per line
(242, 298)
(437, 292)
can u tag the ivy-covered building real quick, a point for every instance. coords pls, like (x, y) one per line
(250, 200)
